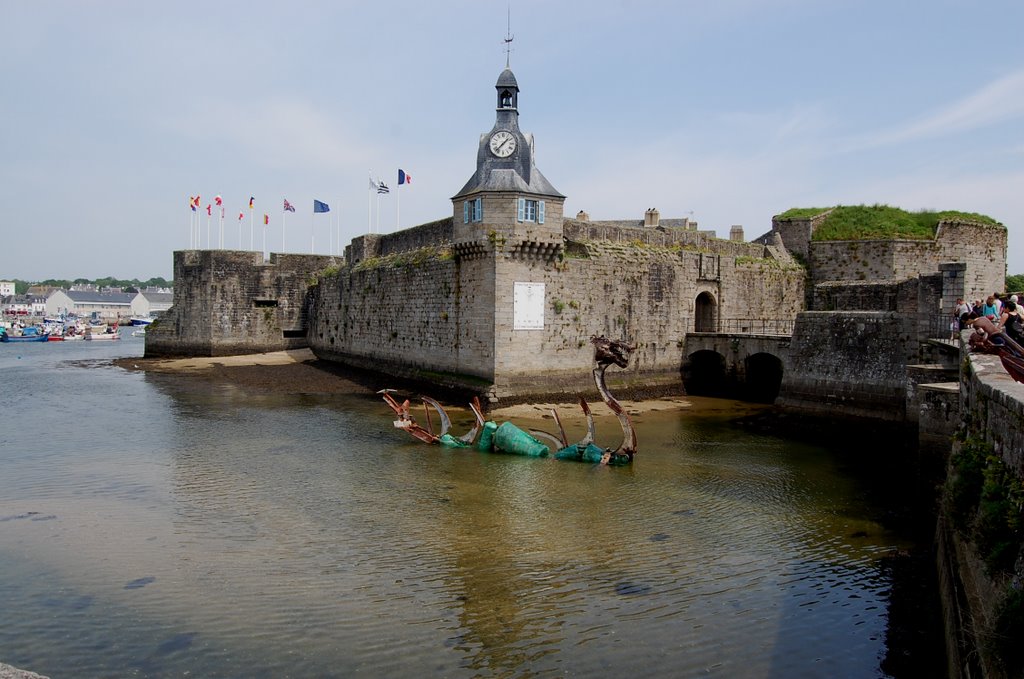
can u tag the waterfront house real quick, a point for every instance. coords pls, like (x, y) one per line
(108, 306)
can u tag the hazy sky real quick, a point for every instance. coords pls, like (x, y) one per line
(114, 113)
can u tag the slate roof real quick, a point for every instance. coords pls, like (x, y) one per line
(91, 297)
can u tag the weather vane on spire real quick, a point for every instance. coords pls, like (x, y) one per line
(508, 35)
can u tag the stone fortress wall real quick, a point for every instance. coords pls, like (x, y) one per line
(232, 302)
(445, 314)
(980, 247)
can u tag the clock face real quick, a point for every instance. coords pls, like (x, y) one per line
(503, 144)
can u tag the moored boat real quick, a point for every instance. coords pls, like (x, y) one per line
(107, 336)
(29, 334)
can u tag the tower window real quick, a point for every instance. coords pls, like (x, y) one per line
(530, 211)
(473, 211)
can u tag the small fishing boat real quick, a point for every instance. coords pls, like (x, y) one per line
(29, 334)
(108, 334)
(141, 320)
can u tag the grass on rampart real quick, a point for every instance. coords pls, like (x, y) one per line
(881, 222)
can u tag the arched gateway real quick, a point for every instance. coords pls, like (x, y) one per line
(705, 316)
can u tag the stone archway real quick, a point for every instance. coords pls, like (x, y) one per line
(763, 373)
(705, 316)
(704, 374)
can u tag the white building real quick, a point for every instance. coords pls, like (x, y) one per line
(6, 288)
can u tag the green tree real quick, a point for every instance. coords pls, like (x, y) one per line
(1015, 283)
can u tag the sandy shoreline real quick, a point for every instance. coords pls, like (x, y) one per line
(201, 363)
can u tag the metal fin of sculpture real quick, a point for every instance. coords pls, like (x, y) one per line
(507, 438)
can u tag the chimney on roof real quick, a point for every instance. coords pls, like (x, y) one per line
(736, 232)
(652, 217)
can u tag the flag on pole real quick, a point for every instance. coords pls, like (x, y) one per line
(252, 201)
(403, 177)
(266, 219)
(192, 203)
(320, 207)
(288, 206)
(240, 215)
(382, 187)
(208, 213)
(218, 201)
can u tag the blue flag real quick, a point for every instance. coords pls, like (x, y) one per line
(320, 207)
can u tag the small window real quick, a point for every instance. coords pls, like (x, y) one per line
(264, 303)
(473, 211)
(530, 211)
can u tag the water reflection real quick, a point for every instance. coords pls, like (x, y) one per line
(268, 534)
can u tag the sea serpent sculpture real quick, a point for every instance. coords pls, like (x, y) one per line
(489, 436)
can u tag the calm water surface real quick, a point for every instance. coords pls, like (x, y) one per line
(156, 526)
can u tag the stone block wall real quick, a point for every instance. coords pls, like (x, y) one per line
(232, 302)
(981, 248)
(797, 233)
(409, 316)
(431, 234)
(500, 214)
(850, 363)
(992, 410)
(447, 314)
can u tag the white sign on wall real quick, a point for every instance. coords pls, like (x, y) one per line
(528, 306)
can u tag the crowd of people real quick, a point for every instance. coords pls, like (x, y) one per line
(989, 318)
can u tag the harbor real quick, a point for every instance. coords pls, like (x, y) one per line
(262, 517)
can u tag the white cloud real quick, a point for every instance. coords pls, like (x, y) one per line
(997, 102)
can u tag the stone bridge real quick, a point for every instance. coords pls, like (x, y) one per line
(736, 365)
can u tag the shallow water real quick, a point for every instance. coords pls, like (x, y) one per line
(152, 525)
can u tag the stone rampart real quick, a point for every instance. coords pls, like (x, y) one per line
(431, 234)
(981, 247)
(992, 411)
(446, 315)
(850, 363)
(659, 236)
(411, 317)
(232, 302)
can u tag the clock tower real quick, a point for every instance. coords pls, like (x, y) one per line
(507, 198)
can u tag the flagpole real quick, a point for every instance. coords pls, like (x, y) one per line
(251, 227)
(378, 210)
(330, 235)
(220, 241)
(312, 240)
(284, 218)
(265, 224)
(208, 215)
(398, 207)
(340, 251)
(369, 206)
(239, 232)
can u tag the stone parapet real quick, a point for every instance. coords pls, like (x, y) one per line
(233, 302)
